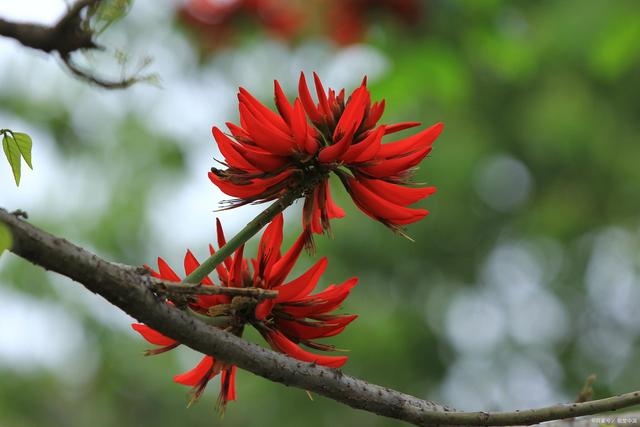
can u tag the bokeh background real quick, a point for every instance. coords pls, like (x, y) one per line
(523, 280)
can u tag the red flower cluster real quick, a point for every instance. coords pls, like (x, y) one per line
(348, 19)
(217, 21)
(297, 148)
(345, 21)
(293, 318)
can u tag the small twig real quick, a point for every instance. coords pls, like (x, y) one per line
(98, 81)
(164, 287)
(66, 36)
(70, 34)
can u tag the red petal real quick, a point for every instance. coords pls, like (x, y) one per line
(253, 189)
(316, 214)
(381, 209)
(322, 99)
(333, 210)
(220, 268)
(388, 129)
(303, 285)
(229, 150)
(263, 309)
(395, 166)
(307, 101)
(270, 243)
(340, 98)
(281, 343)
(421, 140)
(283, 267)
(152, 271)
(266, 137)
(282, 103)
(299, 125)
(335, 319)
(333, 152)
(207, 301)
(228, 384)
(366, 149)
(222, 241)
(261, 159)
(238, 133)
(311, 144)
(311, 212)
(236, 279)
(332, 293)
(198, 374)
(336, 107)
(298, 331)
(397, 194)
(375, 113)
(308, 209)
(322, 302)
(245, 191)
(314, 330)
(190, 264)
(166, 273)
(259, 108)
(152, 336)
(353, 113)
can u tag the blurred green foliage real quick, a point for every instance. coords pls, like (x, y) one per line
(552, 87)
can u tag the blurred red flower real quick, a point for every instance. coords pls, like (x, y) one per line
(293, 318)
(217, 21)
(348, 19)
(298, 148)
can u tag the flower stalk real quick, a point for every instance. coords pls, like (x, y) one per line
(250, 230)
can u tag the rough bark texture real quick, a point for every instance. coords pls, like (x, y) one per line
(128, 289)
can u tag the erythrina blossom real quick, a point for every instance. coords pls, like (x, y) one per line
(294, 318)
(348, 19)
(297, 148)
(216, 21)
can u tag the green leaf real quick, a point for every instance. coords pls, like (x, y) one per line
(110, 11)
(6, 240)
(24, 145)
(12, 152)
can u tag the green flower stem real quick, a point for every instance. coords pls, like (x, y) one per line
(243, 236)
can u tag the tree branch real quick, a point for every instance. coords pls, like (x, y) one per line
(85, 75)
(126, 288)
(70, 34)
(66, 36)
(173, 288)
